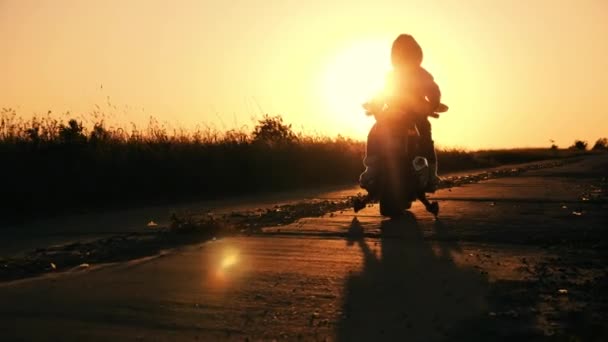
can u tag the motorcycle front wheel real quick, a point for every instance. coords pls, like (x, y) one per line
(390, 206)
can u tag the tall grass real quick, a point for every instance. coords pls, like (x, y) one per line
(51, 165)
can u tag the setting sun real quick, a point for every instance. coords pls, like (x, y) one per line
(351, 77)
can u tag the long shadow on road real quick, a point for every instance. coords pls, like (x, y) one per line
(411, 289)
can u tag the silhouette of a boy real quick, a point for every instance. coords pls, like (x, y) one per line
(410, 95)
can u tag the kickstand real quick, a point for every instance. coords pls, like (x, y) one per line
(431, 207)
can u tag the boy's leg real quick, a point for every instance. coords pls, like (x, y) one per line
(427, 149)
(369, 178)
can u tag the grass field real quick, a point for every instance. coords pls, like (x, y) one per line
(52, 166)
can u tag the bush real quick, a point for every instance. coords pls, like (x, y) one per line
(601, 144)
(579, 145)
(272, 130)
(72, 134)
(554, 147)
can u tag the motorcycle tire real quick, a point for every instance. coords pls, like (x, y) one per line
(390, 207)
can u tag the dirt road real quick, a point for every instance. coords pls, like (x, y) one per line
(510, 258)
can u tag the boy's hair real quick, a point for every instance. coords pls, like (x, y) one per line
(406, 51)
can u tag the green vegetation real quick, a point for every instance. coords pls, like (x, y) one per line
(53, 166)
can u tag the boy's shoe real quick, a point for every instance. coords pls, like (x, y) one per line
(359, 203)
(407, 205)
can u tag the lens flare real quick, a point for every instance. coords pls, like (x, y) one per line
(227, 264)
(229, 261)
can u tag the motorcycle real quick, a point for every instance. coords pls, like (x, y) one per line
(403, 173)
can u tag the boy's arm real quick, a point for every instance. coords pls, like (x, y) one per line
(434, 95)
(431, 90)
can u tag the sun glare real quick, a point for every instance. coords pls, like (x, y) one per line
(353, 75)
(228, 261)
(226, 266)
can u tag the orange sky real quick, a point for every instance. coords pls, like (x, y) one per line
(514, 73)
